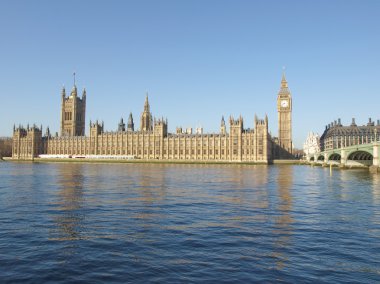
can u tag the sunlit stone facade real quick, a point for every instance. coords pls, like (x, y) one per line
(152, 141)
(311, 145)
(336, 135)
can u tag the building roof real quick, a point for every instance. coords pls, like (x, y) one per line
(337, 129)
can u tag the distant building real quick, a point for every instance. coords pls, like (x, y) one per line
(199, 130)
(338, 136)
(152, 140)
(311, 145)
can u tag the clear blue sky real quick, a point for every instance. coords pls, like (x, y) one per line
(198, 60)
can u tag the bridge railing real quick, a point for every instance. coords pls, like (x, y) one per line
(338, 142)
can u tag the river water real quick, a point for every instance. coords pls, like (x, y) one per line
(106, 223)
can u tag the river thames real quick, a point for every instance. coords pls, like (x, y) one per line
(96, 223)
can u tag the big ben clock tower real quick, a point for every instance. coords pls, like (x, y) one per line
(284, 108)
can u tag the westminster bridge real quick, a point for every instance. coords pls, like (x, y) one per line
(359, 155)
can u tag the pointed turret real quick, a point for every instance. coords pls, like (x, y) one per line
(63, 93)
(284, 90)
(74, 91)
(284, 83)
(131, 125)
(47, 132)
(146, 104)
(121, 127)
(146, 120)
(222, 126)
(84, 93)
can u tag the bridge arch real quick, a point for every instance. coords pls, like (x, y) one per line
(360, 157)
(335, 157)
(321, 158)
(312, 159)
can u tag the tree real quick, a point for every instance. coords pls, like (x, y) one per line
(5, 147)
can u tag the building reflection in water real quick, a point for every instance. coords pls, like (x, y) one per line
(246, 184)
(69, 215)
(151, 184)
(376, 188)
(284, 220)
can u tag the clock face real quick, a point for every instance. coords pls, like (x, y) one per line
(284, 103)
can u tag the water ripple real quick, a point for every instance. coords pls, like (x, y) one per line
(96, 223)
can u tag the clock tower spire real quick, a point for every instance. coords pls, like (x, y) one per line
(284, 109)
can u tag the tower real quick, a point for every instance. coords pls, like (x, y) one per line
(96, 129)
(73, 112)
(236, 133)
(222, 126)
(261, 135)
(130, 125)
(146, 121)
(121, 127)
(284, 109)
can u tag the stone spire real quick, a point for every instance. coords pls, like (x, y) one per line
(121, 127)
(47, 132)
(131, 125)
(74, 89)
(284, 85)
(146, 120)
(146, 104)
(222, 126)
(63, 93)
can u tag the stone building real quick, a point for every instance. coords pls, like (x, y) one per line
(146, 122)
(73, 113)
(152, 140)
(338, 136)
(311, 145)
(284, 109)
(28, 142)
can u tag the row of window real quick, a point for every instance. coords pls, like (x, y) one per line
(171, 152)
(69, 116)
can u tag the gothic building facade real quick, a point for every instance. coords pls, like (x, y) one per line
(284, 144)
(73, 113)
(152, 140)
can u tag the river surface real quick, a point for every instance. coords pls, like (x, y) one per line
(139, 223)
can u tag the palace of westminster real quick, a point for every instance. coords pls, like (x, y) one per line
(153, 141)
